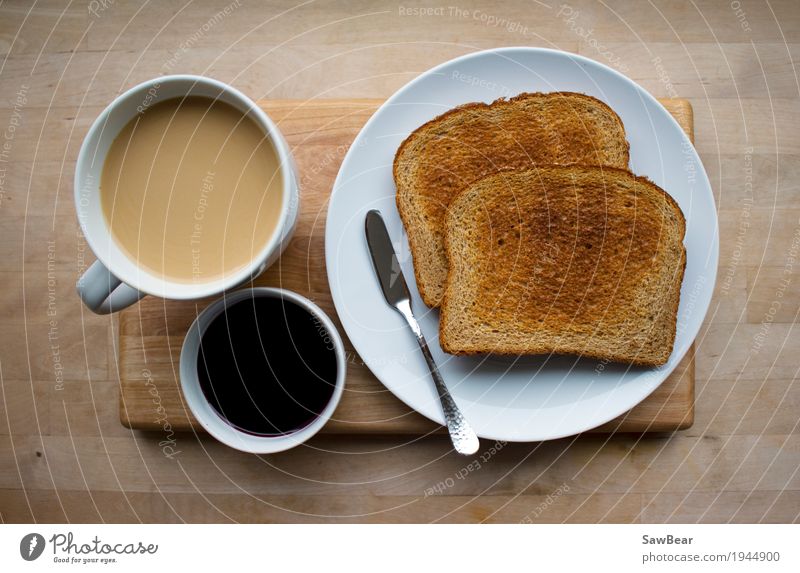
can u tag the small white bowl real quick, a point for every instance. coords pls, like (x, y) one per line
(205, 413)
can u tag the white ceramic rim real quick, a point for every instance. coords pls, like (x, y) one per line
(210, 419)
(155, 285)
(679, 351)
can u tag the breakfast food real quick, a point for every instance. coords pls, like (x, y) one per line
(442, 157)
(577, 260)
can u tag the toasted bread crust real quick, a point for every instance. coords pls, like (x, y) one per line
(479, 317)
(593, 134)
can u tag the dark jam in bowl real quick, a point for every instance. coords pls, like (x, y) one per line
(267, 366)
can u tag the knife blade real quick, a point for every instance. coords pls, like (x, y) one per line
(384, 259)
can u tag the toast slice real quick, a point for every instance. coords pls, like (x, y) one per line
(446, 154)
(569, 260)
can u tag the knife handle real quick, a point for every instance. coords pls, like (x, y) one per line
(464, 439)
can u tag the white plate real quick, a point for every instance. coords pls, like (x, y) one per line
(527, 399)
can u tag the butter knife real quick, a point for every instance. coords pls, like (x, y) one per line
(395, 290)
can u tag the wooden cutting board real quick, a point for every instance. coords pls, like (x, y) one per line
(320, 133)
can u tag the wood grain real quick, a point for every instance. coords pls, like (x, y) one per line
(64, 456)
(320, 132)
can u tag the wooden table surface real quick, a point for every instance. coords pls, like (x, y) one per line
(64, 456)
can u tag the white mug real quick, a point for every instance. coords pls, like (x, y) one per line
(205, 413)
(115, 281)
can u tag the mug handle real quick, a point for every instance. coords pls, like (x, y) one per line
(104, 293)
